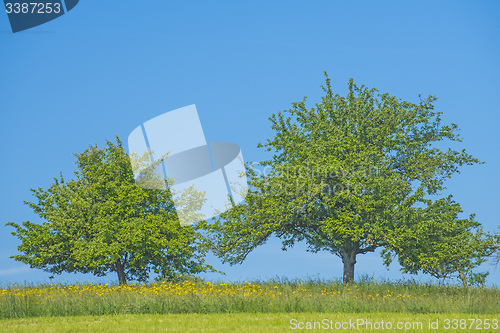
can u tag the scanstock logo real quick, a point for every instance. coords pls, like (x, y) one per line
(170, 152)
(31, 13)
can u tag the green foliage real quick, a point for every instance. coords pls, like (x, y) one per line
(435, 241)
(346, 176)
(102, 222)
(497, 249)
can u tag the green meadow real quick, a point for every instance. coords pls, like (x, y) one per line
(253, 322)
(271, 306)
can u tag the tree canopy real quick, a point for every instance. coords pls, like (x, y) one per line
(349, 176)
(435, 241)
(102, 222)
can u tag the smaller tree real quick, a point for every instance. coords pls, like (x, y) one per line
(440, 244)
(102, 222)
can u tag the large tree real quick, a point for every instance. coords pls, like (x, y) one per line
(342, 175)
(102, 221)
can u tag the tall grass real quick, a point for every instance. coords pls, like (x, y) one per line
(197, 296)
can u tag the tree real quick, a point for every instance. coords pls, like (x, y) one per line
(102, 222)
(497, 249)
(435, 241)
(342, 176)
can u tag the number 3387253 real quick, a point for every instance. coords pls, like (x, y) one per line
(33, 8)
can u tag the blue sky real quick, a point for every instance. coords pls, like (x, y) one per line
(108, 66)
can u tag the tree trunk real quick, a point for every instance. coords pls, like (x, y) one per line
(121, 273)
(349, 253)
(463, 278)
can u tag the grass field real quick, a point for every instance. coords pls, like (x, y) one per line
(251, 322)
(195, 305)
